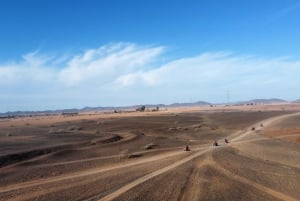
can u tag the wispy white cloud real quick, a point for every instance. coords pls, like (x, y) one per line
(107, 62)
(217, 69)
(126, 73)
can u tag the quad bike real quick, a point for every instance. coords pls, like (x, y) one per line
(215, 144)
(226, 141)
(187, 148)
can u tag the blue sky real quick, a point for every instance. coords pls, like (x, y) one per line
(65, 54)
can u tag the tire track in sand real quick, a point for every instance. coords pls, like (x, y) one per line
(136, 182)
(115, 156)
(236, 136)
(267, 123)
(86, 173)
(256, 185)
(151, 175)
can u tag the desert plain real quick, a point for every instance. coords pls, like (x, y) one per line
(139, 156)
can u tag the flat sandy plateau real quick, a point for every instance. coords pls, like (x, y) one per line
(140, 156)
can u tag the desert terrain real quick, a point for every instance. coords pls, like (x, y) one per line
(140, 156)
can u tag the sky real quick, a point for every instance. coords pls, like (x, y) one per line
(70, 54)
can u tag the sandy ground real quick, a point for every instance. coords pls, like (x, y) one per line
(139, 156)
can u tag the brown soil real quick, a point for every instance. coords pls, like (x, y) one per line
(286, 130)
(107, 157)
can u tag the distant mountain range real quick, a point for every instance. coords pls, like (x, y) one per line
(264, 101)
(133, 107)
(296, 101)
(198, 103)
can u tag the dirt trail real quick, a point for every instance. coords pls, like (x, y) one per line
(264, 138)
(284, 136)
(151, 175)
(210, 161)
(266, 123)
(97, 158)
(234, 137)
(258, 186)
(104, 157)
(87, 173)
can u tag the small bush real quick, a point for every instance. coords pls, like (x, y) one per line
(134, 155)
(149, 146)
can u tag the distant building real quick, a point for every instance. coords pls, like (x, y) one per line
(7, 116)
(70, 113)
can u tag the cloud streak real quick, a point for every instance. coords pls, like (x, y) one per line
(127, 73)
(106, 63)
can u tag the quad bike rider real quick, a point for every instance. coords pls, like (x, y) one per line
(187, 148)
(226, 141)
(215, 143)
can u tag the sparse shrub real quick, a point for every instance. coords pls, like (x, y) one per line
(134, 155)
(141, 109)
(60, 131)
(149, 146)
(196, 126)
(71, 128)
(74, 128)
(172, 129)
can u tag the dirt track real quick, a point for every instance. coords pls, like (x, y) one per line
(124, 170)
(240, 136)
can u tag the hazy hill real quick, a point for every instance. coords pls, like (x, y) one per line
(198, 103)
(264, 101)
(133, 107)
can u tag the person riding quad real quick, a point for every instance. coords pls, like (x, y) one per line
(226, 141)
(215, 143)
(187, 148)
